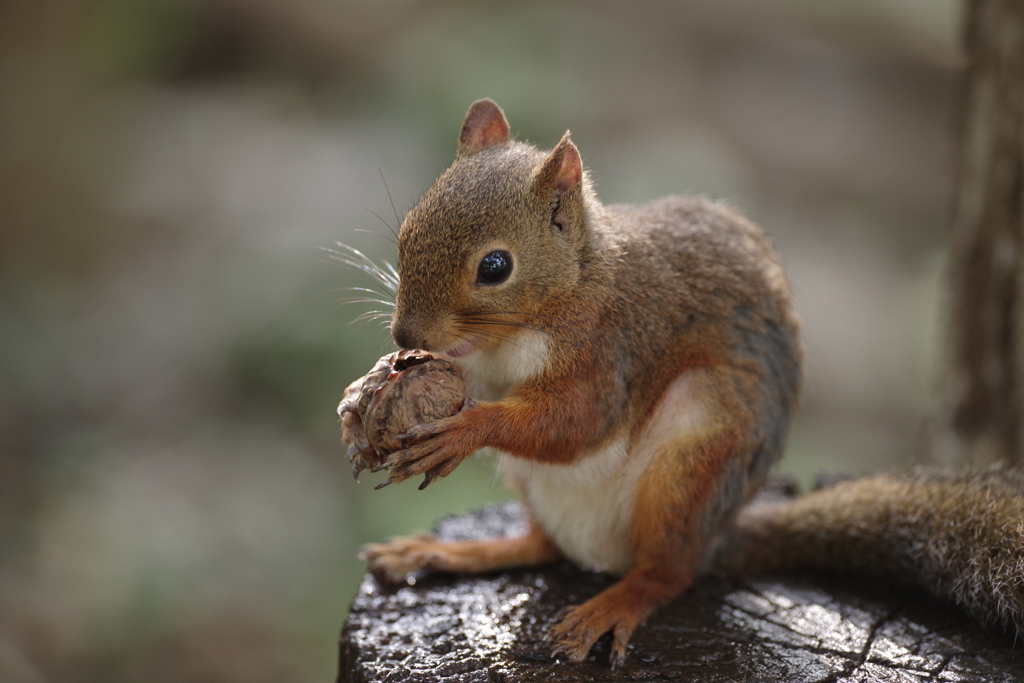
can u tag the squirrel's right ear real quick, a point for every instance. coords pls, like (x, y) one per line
(562, 172)
(484, 126)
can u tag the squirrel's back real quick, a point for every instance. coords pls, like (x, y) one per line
(696, 277)
(696, 270)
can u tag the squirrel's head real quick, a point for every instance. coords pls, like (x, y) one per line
(501, 234)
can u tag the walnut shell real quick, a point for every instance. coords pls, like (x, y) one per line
(351, 409)
(413, 394)
(402, 390)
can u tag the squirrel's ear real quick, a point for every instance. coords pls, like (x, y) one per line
(562, 171)
(483, 127)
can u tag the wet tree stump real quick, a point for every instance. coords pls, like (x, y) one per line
(490, 628)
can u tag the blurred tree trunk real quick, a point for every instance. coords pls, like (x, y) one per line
(985, 391)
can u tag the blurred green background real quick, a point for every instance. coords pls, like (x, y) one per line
(174, 502)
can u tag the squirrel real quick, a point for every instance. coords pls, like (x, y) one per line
(636, 369)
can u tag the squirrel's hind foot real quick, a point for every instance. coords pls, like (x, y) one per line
(618, 610)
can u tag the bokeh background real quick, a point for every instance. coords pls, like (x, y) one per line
(174, 502)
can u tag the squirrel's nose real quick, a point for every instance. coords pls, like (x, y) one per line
(405, 336)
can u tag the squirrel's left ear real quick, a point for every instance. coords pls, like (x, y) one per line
(484, 126)
(562, 172)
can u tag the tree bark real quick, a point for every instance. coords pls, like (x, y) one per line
(984, 413)
(491, 629)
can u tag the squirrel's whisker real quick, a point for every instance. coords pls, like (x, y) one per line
(371, 315)
(380, 296)
(368, 300)
(487, 334)
(393, 241)
(500, 323)
(390, 199)
(386, 275)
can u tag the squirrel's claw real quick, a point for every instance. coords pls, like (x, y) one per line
(427, 459)
(619, 643)
(361, 458)
(570, 648)
(424, 431)
(416, 432)
(386, 482)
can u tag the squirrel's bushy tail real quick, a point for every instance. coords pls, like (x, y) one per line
(960, 536)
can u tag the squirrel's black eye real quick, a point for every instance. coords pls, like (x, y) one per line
(494, 268)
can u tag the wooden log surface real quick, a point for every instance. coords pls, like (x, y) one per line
(808, 628)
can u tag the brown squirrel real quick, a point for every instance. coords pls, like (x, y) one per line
(636, 368)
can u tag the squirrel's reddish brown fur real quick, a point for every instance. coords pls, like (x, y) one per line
(636, 367)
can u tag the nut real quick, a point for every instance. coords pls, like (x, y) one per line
(403, 389)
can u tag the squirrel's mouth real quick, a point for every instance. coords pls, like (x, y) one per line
(462, 349)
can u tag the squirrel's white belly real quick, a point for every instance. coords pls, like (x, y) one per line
(586, 507)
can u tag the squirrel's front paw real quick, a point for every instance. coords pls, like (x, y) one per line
(397, 559)
(436, 450)
(429, 459)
